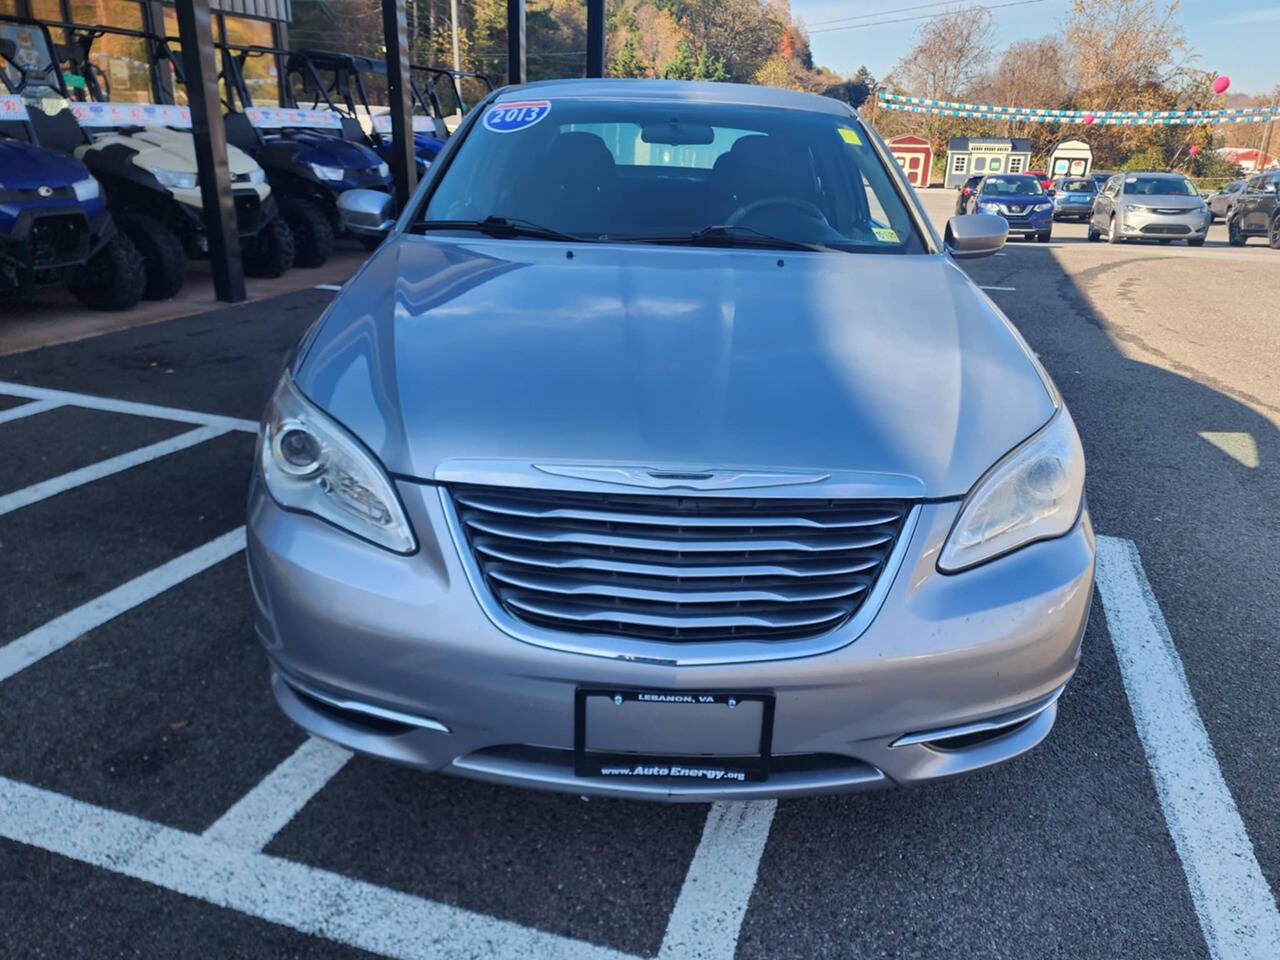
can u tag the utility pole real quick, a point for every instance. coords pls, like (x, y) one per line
(453, 13)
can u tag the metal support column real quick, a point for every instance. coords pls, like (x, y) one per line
(395, 31)
(595, 38)
(195, 31)
(516, 70)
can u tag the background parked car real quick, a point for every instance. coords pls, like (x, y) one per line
(1222, 201)
(1019, 198)
(1073, 198)
(1150, 206)
(965, 192)
(1100, 177)
(1042, 176)
(1256, 213)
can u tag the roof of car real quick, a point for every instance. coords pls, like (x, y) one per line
(673, 90)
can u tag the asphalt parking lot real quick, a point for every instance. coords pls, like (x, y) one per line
(155, 803)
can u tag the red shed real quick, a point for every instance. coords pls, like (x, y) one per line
(915, 156)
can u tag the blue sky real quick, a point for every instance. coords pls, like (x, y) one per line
(1235, 37)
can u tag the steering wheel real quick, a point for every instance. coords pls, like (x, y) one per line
(804, 206)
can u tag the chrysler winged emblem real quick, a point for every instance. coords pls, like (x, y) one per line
(666, 478)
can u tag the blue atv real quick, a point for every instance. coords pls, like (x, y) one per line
(342, 82)
(54, 224)
(311, 157)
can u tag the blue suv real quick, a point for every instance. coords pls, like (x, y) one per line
(1020, 199)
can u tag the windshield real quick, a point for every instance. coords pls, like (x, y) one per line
(1160, 186)
(627, 170)
(1027, 186)
(1077, 186)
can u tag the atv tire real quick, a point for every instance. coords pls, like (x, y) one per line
(162, 254)
(312, 232)
(273, 252)
(113, 279)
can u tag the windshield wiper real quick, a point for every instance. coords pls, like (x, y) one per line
(500, 227)
(724, 234)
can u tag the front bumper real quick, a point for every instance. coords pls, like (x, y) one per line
(1161, 226)
(1028, 222)
(393, 656)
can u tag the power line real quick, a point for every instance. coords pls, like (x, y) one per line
(882, 13)
(928, 16)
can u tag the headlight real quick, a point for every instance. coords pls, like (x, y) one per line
(1034, 493)
(989, 207)
(383, 170)
(257, 176)
(175, 179)
(313, 465)
(86, 189)
(326, 173)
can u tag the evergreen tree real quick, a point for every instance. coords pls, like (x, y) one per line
(680, 67)
(629, 62)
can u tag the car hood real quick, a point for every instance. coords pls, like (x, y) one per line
(1167, 201)
(895, 366)
(24, 166)
(162, 148)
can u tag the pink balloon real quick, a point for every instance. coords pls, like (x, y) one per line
(1221, 83)
(1089, 118)
(1194, 151)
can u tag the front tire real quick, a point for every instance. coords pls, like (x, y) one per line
(312, 232)
(113, 279)
(1235, 236)
(1273, 235)
(1113, 231)
(273, 250)
(1093, 236)
(1044, 236)
(163, 258)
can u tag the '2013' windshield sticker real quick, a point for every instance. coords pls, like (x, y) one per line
(885, 234)
(510, 117)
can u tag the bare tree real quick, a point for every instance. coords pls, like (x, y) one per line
(948, 59)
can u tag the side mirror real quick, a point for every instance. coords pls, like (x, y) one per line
(366, 212)
(975, 235)
(1053, 192)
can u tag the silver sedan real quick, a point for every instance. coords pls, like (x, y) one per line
(664, 451)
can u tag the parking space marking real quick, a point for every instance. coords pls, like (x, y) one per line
(58, 632)
(1009, 289)
(27, 410)
(1236, 907)
(707, 918)
(328, 286)
(112, 405)
(305, 898)
(266, 809)
(96, 471)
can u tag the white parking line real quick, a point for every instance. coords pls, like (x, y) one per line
(266, 809)
(112, 405)
(1009, 289)
(27, 410)
(328, 286)
(96, 471)
(708, 913)
(313, 901)
(57, 633)
(1236, 907)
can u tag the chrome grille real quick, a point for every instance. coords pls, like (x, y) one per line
(677, 568)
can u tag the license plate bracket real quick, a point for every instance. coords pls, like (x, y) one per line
(611, 764)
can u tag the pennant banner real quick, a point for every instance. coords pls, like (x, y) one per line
(1099, 119)
(117, 114)
(896, 101)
